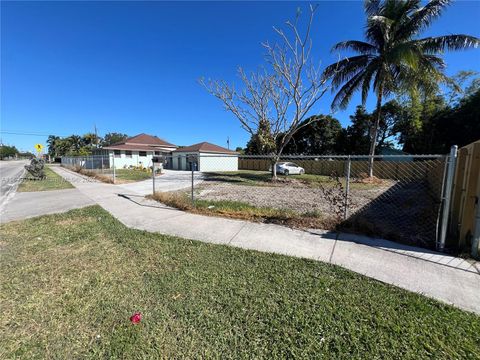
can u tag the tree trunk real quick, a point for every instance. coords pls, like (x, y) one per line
(274, 168)
(374, 132)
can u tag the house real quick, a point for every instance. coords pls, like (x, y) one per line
(210, 157)
(138, 150)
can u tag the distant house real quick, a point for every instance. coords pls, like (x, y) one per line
(138, 150)
(211, 157)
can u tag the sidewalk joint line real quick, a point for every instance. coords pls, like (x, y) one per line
(235, 235)
(333, 249)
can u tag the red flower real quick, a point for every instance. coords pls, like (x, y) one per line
(136, 318)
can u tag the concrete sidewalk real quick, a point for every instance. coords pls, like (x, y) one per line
(24, 205)
(446, 278)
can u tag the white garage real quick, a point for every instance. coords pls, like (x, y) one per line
(210, 157)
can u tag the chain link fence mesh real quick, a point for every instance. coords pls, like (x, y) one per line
(400, 202)
(99, 165)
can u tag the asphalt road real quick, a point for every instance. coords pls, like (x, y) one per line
(10, 174)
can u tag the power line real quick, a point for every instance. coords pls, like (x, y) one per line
(26, 133)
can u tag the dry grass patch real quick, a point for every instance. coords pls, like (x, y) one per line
(245, 211)
(93, 174)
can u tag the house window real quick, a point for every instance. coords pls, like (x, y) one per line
(158, 153)
(142, 153)
(117, 153)
(128, 153)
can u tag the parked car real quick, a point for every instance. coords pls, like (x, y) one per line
(289, 168)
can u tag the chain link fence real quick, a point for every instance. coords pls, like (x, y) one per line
(401, 202)
(92, 165)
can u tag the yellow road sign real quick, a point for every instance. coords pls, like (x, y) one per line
(39, 147)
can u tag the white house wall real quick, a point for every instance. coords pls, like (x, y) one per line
(207, 161)
(122, 161)
(215, 162)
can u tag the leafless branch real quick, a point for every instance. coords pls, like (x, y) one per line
(282, 94)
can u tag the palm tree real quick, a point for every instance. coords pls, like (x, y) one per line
(76, 142)
(52, 146)
(393, 58)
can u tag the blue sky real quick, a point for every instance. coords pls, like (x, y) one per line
(133, 67)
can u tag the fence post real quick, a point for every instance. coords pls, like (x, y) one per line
(476, 232)
(193, 200)
(113, 166)
(153, 176)
(347, 187)
(447, 196)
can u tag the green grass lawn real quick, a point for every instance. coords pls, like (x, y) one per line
(51, 182)
(70, 282)
(132, 175)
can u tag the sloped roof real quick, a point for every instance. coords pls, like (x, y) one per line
(134, 147)
(145, 139)
(207, 148)
(141, 141)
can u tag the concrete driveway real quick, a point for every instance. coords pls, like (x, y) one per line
(10, 174)
(170, 180)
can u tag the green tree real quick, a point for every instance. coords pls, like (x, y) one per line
(418, 121)
(443, 125)
(7, 151)
(319, 136)
(262, 142)
(63, 146)
(392, 114)
(91, 140)
(76, 143)
(393, 58)
(52, 147)
(355, 140)
(113, 138)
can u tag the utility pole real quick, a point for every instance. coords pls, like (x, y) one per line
(228, 142)
(96, 136)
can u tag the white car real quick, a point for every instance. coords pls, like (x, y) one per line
(289, 168)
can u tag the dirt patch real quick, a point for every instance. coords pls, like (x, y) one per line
(292, 195)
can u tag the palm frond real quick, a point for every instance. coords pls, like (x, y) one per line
(406, 53)
(423, 17)
(344, 69)
(369, 72)
(355, 45)
(437, 44)
(436, 61)
(343, 96)
(372, 7)
(378, 29)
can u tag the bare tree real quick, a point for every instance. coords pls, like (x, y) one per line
(280, 95)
